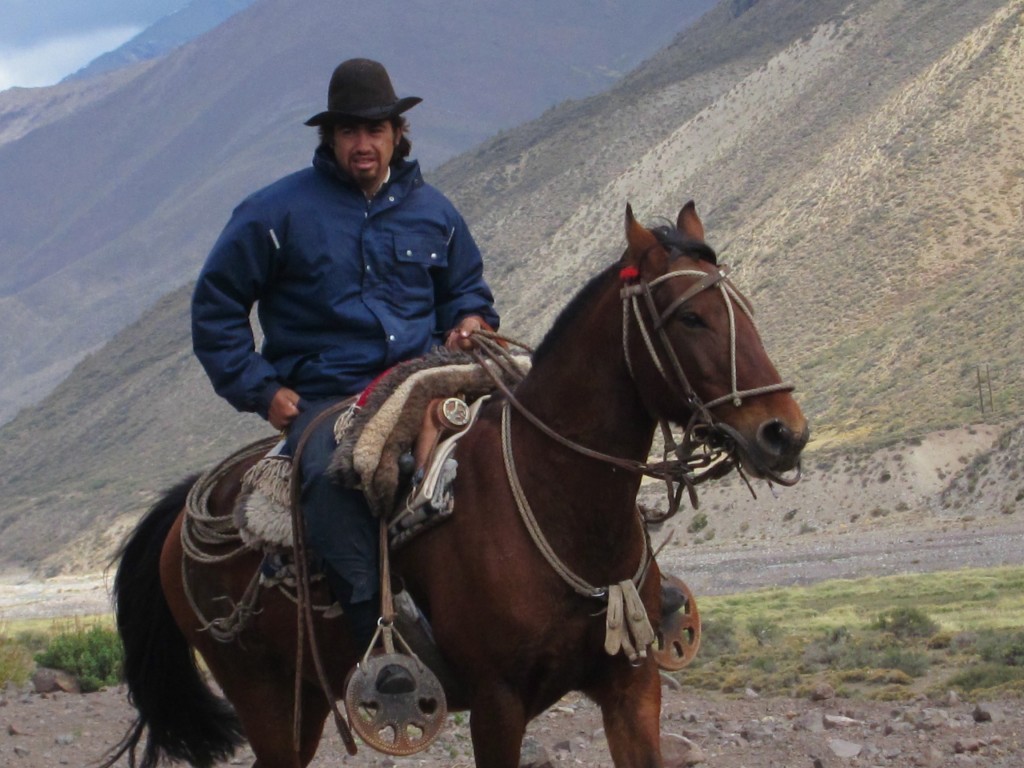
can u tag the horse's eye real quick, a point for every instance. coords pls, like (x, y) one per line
(691, 320)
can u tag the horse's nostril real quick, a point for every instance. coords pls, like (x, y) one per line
(775, 437)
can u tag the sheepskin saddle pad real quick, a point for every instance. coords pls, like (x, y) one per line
(372, 434)
(386, 420)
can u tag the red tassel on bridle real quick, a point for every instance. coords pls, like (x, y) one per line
(628, 273)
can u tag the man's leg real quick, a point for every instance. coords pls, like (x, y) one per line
(340, 529)
(345, 537)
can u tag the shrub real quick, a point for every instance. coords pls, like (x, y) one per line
(15, 662)
(827, 650)
(698, 523)
(906, 623)
(717, 638)
(762, 630)
(912, 663)
(94, 656)
(988, 677)
(1002, 648)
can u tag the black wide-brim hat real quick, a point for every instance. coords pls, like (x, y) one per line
(361, 89)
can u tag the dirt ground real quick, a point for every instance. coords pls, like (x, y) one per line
(68, 729)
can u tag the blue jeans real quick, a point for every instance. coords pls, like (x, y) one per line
(340, 529)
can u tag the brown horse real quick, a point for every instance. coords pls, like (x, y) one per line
(659, 335)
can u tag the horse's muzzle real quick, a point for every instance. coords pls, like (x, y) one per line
(774, 449)
(780, 445)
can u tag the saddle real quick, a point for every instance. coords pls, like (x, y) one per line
(394, 443)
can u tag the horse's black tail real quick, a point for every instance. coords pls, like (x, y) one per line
(185, 720)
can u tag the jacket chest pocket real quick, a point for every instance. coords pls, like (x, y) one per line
(415, 257)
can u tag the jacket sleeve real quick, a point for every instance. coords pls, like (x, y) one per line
(229, 283)
(460, 289)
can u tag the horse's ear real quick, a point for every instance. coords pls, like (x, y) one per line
(638, 237)
(689, 223)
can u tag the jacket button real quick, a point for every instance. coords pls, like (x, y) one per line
(433, 255)
(391, 337)
(408, 253)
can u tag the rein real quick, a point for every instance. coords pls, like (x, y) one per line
(486, 349)
(580, 586)
(304, 624)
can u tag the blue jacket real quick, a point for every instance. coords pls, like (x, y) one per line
(345, 287)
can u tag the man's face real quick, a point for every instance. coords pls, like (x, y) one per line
(364, 150)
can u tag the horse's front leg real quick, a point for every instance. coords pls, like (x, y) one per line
(630, 701)
(497, 723)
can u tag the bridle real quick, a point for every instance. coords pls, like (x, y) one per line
(631, 294)
(708, 448)
(703, 437)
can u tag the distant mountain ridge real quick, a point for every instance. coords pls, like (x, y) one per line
(112, 199)
(164, 35)
(859, 164)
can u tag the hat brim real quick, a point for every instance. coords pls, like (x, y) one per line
(330, 116)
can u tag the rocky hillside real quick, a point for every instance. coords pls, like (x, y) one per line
(858, 163)
(863, 176)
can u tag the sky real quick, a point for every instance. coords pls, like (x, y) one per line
(42, 41)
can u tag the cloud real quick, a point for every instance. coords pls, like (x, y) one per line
(50, 60)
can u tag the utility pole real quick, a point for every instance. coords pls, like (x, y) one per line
(984, 382)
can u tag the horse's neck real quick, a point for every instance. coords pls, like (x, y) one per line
(582, 390)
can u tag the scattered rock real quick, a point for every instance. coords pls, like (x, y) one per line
(823, 692)
(961, 746)
(52, 680)
(563, 746)
(987, 712)
(757, 732)
(533, 755)
(843, 748)
(670, 682)
(840, 721)
(677, 751)
(812, 721)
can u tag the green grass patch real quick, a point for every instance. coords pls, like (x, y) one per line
(90, 650)
(93, 655)
(886, 638)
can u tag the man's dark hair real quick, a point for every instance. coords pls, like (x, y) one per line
(398, 122)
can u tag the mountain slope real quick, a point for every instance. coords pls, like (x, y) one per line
(862, 177)
(110, 205)
(164, 35)
(859, 164)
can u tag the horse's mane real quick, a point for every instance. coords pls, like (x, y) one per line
(671, 239)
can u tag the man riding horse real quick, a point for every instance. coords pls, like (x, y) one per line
(356, 264)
